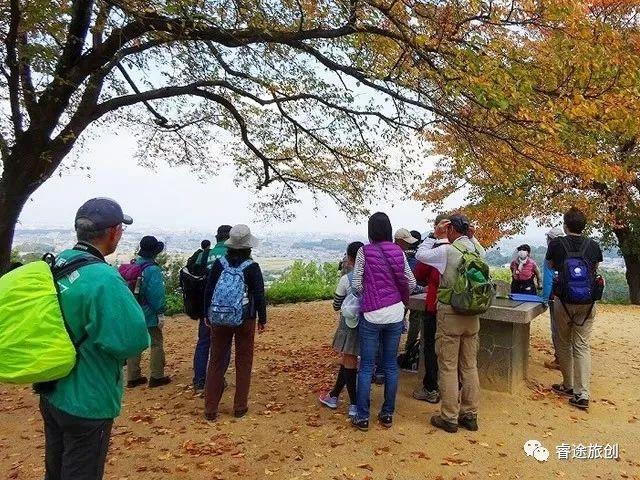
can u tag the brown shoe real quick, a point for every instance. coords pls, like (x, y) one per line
(439, 422)
(137, 382)
(159, 382)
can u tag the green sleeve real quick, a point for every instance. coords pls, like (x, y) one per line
(116, 321)
(154, 291)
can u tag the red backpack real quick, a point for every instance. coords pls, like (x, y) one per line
(132, 274)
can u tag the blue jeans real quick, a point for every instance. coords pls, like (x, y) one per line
(201, 356)
(371, 334)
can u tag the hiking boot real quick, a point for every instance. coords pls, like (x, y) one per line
(212, 417)
(439, 422)
(581, 403)
(560, 389)
(137, 382)
(328, 401)
(353, 411)
(240, 413)
(385, 420)
(424, 395)
(360, 424)
(159, 382)
(469, 422)
(552, 364)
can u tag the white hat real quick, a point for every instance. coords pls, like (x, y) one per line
(555, 232)
(240, 238)
(404, 234)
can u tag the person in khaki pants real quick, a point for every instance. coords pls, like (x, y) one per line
(456, 335)
(573, 321)
(152, 299)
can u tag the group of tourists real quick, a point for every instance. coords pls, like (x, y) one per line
(386, 271)
(112, 316)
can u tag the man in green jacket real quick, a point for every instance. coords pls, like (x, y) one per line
(201, 355)
(107, 326)
(152, 298)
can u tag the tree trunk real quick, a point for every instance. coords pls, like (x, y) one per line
(11, 205)
(631, 262)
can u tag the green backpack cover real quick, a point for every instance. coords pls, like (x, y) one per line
(473, 290)
(34, 343)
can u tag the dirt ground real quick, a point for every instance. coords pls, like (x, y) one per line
(162, 434)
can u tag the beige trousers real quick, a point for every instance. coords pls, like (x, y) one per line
(573, 349)
(457, 350)
(156, 358)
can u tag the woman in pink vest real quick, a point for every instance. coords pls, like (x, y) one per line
(382, 276)
(525, 273)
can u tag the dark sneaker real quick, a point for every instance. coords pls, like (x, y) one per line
(424, 395)
(159, 382)
(240, 413)
(378, 379)
(581, 403)
(469, 422)
(137, 382)
(560, 389)
(362, 425)
(385, 420)
(212, 417)
(439, 422)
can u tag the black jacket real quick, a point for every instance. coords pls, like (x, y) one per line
(255, 289)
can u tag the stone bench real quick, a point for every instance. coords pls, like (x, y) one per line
(503, 355)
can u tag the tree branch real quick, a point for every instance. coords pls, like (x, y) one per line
(13, 78)
(78, 28)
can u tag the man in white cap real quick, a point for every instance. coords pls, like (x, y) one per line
(547, 294)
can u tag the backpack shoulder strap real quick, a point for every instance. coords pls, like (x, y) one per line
(245, 264)
(585, 244)
(70, 267)
(224, 262)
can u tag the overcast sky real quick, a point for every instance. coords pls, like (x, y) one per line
(173, 199)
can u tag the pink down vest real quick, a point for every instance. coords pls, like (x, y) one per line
(384, 282)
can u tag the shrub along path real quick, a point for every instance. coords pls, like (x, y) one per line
(162, 434)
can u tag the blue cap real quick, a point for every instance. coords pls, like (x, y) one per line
(103, 213)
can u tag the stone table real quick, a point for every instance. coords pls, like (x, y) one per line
(503, 355)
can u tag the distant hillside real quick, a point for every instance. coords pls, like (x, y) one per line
(326, 244)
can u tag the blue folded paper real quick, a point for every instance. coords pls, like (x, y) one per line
(523, 297)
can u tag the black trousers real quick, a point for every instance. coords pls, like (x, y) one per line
(75, 448)
(430, 380)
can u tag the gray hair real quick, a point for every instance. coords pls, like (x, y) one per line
(86, 230)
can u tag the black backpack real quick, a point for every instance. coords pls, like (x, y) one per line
(410, 359)
(193, 280)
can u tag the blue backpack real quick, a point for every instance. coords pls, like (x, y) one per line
(576, 278)
(227, 304)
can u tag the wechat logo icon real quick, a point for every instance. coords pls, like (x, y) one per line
(533, 448)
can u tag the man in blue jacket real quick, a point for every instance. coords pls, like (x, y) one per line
(152, 299)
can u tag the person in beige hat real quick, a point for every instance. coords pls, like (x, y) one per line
(232, 309)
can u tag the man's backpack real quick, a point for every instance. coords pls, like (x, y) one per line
(473, 290)
(193, 280)
(576, 281)
(229, 296)
(132, 274)
(35, 341)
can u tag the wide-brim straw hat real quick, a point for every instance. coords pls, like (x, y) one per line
(240, 237)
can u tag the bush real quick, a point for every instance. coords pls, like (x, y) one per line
(304, 282)
(175, 305)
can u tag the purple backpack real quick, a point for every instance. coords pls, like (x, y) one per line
(132, 274)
